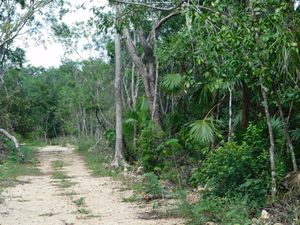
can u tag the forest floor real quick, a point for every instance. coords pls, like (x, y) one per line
(65, 193)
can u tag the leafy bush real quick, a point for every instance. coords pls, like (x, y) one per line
(219, 210)
(240, 168)
(150, 147)
(237, 167)
(152, 185)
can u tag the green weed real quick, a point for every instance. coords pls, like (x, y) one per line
(59, 175)
(58, 164)
(83, 211)
(79, 202)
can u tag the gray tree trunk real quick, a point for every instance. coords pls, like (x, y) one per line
(272, 142)
(230, 114)
(287, 135)
(118, 157)
(147, 71)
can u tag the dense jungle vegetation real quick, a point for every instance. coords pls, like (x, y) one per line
(204, 95)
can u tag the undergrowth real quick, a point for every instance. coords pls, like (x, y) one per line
(11, 166)
(97, 159)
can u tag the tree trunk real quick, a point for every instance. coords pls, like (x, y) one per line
(14, 140)
(147, 71)
(118, 157)
(287, 135)
(230, 114)
(246, 106)
(272, 142)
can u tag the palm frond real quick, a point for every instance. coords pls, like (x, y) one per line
(295, 134)
(142, 104)
(202, 130)
(131, 121)
(172, 82)
(277, 126)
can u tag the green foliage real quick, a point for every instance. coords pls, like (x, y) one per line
(150, 148)
(98, 160)
(219, 210)
(240, 167)
(152, 185)
(79, 202)
(209, 47)
(43, 103)
(172, 83)
(230, 170)
(11, 166)
(203, 130)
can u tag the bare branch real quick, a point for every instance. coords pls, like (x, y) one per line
(22, 22)
(159, 24)
(131, 49)
(151, 6)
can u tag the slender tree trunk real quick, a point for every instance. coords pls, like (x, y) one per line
(134, 94)
(272, 142)
(118, 157)
(287, 135)
(147, 71)
(14, 140)
(246, 106)
(133, 85)
(230, 114)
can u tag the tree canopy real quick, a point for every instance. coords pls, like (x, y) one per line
(206, 94)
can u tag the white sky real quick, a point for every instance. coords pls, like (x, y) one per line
(51, 53)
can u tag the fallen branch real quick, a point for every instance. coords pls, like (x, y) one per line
(14, 140)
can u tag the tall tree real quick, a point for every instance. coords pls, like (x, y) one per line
(118, 157)
(146, 62)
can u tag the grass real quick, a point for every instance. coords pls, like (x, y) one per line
(97, 161)
(79, 202)
(61, 177)
(68, 193)
(57, 164)
(48, 214)
(133, 198)
(64, 183)
(12, 167)
(63, 141)
(83, 211)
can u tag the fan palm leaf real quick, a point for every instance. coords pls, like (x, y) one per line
(203, 130)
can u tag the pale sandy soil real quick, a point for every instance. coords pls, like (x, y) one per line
(39, 201)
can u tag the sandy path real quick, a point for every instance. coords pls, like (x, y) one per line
(39, 201)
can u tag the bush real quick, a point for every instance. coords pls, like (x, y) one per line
(150, 147)
(219, 210)
(240, 168)
(237, 168)
(152, 185)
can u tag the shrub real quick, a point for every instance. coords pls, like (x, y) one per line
(152, 185)
(237, 167)
(219, 210)
(240, 168)
(150, 147)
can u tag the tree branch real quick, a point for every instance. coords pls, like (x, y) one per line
(22, 22)
(131, 49)
(151, 6)
(159, 24)
(14, 140)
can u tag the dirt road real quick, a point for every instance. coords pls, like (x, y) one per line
(73, 197)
